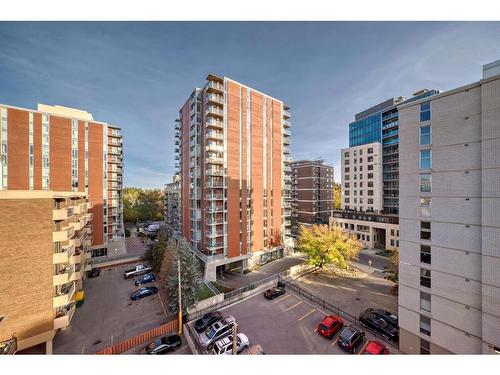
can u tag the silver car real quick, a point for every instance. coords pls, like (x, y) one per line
(216, 331)
(225, 345)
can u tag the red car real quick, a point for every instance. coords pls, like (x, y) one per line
(330, 326)
(376, 347)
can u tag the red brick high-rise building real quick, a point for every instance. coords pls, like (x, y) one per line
(233, 160)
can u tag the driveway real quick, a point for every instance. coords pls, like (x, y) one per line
(108, 316)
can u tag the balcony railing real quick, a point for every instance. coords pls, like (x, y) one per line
(62, 214)
(215, 197)
(286, 114)
(215, 233)
(287, 133)
(214, 148)
(64, 316)
(215, 160)
(214, 98)
(63, 276)
(213, 123)
(63, 234)
(65, 296)
(216, 86)
(215, 209)
(213, 185)
(64, 255)
(215, 221)
(214, 111)
(286, 123)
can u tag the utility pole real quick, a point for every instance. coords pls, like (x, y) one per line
(180, 296)
(235, 332)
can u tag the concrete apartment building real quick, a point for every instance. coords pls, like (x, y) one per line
(171, 204)
(44, 237)
(233, 160)
(312, 193)
(63, 149)
(377, 124)
(449, 287)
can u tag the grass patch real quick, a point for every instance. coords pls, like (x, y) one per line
(204, 292)
(222, 288)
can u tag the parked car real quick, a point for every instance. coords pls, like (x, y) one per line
(350, 338)
(147, 278)
(225, 345)
(376, 347)
(254, 349)
(274, 292)
(380, 321)
(136, 271)
(94, 272)
(216, 331)
(330, 326)
(207, 320)
(163, 345)
(143, 292)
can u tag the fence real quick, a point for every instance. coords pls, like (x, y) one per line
(141, 339)
(329, 307)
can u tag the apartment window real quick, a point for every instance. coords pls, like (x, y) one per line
(425, 207)
(425, 111)
(425, 301)
(346, 200)
(425, 254)
(355, 200)
(370, 183)
(361, 168)
(392, 242)
(346, 169)
(346, 184)
(347, 192)
(99, 252)
(346, 162)
(360, 160)
(370, 159)
(425, 135)
(370, 175)
(370, 192)
(360, 184)
(370, 151)
(361, 152)
(346, 177)
(346, 154)
(425, 325)
(425, 230)
(425, 347)
(392, 232)
(370, 200)
(425, 277)
(370, 167)
(425, 159)
(425, 183)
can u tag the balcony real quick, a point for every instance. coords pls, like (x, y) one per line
(63, 317)
(62, 214)
(286, 141)
(287, 159)
(215, 185)
(286, 123)
(65, 296)
(215, 160)
(215, 208)
(115, 133)
(77, 241)
(214, 86)
(215, 172)
(286, 150)
(215, 197)
(64, 255)
(219, 136)
(215, 233)
(214, 99)
(212, 123)
(214, 148)
(286, 114)
(64, 234)
(287, 133)
(77, 257)
(77, 275)
(213, 111)
(63, 276)
(212, 247)
(215, 221)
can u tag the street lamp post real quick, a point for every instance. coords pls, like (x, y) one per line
(180, 295)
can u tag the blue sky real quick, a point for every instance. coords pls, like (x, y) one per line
(137, 75)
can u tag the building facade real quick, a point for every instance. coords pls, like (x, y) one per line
(171, 204)
(377, 124)
(45, 237)
(449, 287)
(64, 149)
(232, 151)
(312, 193)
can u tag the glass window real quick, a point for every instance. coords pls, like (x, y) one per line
(425, 207)
(425, 111)
(425, 347)
(425, 183)
(370, 151)
(425, 277)
(425, 301)
(425, 325)
(425, 135)
(425, 159)
(425, 254)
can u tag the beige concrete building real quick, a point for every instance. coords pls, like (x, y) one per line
(172, 205)
(45, 238)
(449, 293)
(362, 198)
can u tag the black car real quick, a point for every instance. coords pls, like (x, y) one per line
(143, 292)
(207, 320)
(382, 322)
(163, 345)
(350, 338)
(148, 278)
(274, 292)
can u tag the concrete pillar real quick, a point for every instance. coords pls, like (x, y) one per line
(210, 272)
(48, 347)
(244, 265)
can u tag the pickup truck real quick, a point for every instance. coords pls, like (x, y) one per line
(136, 271)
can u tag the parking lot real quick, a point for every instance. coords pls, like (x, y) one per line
(286, 325)
(108, 316)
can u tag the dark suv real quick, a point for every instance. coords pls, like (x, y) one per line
(351, 338)
(382, 322)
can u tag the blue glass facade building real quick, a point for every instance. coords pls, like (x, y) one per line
(366, 130)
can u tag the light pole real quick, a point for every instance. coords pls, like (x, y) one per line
(180, 295)
(235, 331)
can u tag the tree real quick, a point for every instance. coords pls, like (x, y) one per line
(392, 269)
(142, 204)
(337, 196)
(155, 253)
(191, 280)
(326, 246)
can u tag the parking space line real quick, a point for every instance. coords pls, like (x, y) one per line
(315, 329)
(298, 303)
(282, 298)
(83, 349)
(363, 347)
(306, 315)
(334, 341)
